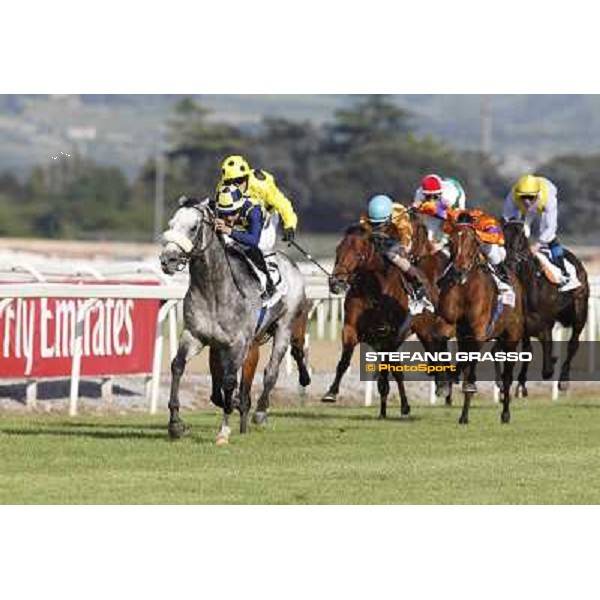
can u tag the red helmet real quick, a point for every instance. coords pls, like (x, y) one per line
(431, 184)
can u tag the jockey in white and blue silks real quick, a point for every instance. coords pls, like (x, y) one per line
(242, 219)
(535, 197)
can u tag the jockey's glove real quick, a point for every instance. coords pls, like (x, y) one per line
(289, 233)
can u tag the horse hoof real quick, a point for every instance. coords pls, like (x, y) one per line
(304, 379)
(469, 388)
(217, 401)
(442, 390)
(463, 420)
(329, 398)
(223, 436)
(448, 401)
(382, 417)
(563, 386)
(178, 430)
(548, 374)
(522, 391)
(505, 418)
(259, 418)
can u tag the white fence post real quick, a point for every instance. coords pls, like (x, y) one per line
(432, 396)
(173, 332)
(333, 315)
(158, 351)
(368, 393)
(77, 352)
(106, 389)
(320, 320)
(31, 393)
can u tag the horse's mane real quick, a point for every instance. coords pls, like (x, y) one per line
(191, 202)
(360, 228)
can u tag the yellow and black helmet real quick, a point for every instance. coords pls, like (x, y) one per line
(234, 167)
(229, 200)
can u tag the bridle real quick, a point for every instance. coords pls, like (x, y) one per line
(348, 276)
(460, 275)
(196, 246)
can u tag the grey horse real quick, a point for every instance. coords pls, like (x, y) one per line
(223, 310)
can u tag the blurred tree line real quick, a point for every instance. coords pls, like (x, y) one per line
(328, 171)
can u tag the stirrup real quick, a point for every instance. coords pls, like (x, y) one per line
(269, 291)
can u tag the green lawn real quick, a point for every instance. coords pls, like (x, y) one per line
(550, 453)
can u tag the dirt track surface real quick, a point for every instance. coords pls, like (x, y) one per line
(129, 393)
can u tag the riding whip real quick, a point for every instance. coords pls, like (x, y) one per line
(308, 256)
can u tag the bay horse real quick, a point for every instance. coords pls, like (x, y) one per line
(546, 305)
(467, 308)
(223, 310)
(433, 262)
(376, 308)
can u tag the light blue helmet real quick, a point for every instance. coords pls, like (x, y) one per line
(380, 208)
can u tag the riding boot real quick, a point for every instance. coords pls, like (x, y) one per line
(417, 283)
(502, 272)
(257, 257)
(559, 261)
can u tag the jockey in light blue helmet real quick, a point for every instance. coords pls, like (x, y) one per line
(380, 208)
(379, 212)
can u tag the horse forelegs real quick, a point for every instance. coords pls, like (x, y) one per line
(545, 337)
(280, 344)
(188, 347)
(297, 347)
(231, 361)
(383, 387)
(248, 371)
(522, 377)
(349, 342)
(216, 375)
(572, 347)
(469, 388)
(404, 405)
(507, 379)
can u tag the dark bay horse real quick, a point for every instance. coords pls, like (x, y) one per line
(467, 309)
(376, 308)
(545, 305)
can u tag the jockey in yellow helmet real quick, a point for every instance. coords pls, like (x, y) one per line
(260, 186)
(532, 197)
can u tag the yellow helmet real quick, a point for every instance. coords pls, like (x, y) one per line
(229, 200)
(528, 185)
(234, 167)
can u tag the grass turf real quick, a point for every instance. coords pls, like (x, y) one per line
(550, 453)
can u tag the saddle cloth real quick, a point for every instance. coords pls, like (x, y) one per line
(506, 295)
(554, 275)
(271, 260)
(276, 278)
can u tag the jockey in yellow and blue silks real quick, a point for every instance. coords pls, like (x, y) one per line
(241, 218)
(261, 186)
(535, 197)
